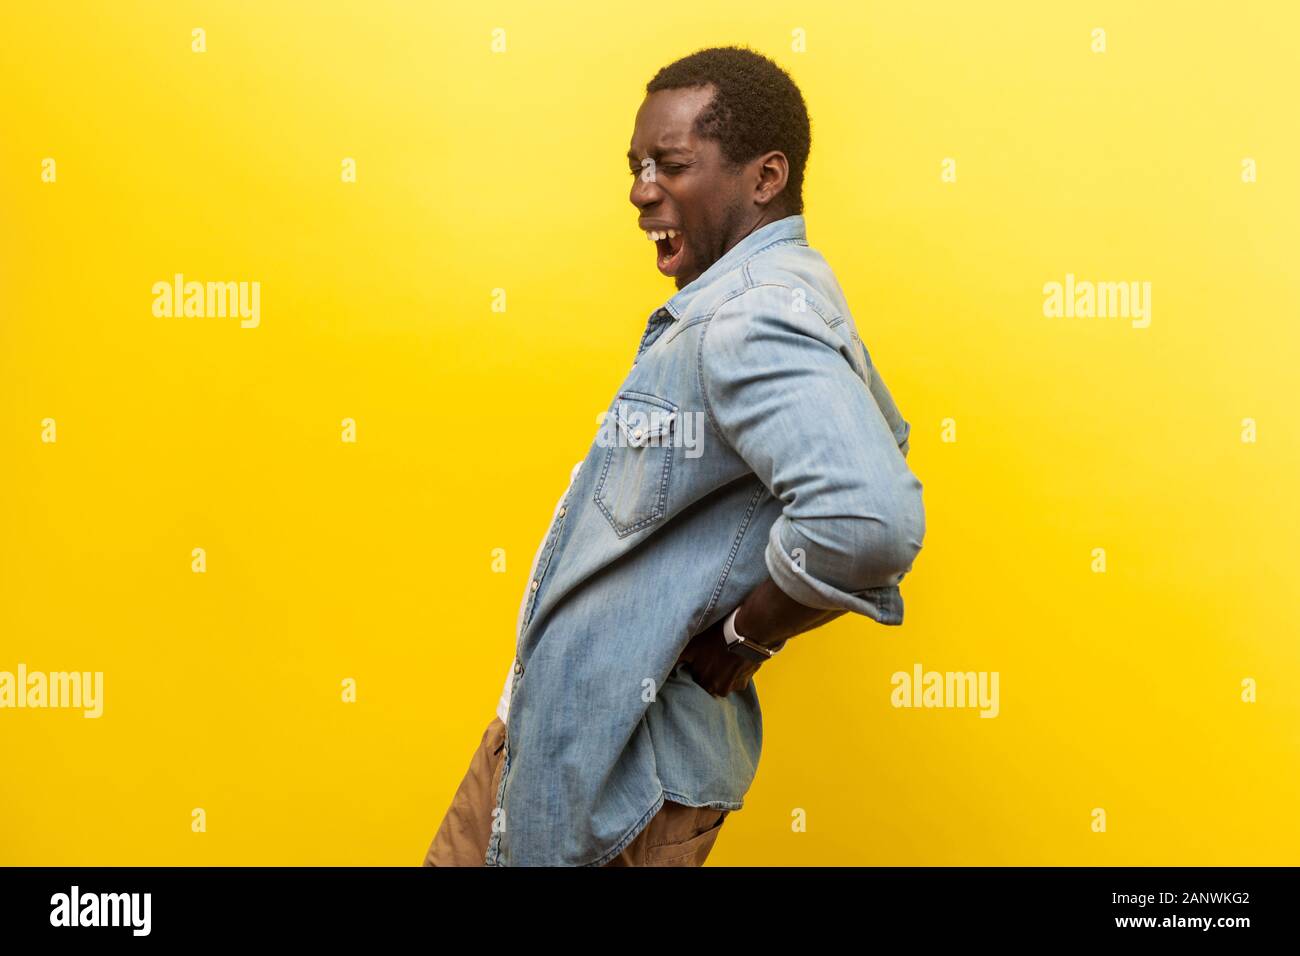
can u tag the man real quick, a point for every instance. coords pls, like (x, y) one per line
(748, 485)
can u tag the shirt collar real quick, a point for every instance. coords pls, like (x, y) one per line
(791, 227)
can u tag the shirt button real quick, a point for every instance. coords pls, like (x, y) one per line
(536, 584)
(634, 364)
(519, 668)
(636, 433)
(562, 511)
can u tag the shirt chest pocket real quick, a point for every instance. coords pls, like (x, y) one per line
(632, 491)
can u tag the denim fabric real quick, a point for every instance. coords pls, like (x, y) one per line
(751, 437)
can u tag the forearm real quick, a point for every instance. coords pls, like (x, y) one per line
(769, 616)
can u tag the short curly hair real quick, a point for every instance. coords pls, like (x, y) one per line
(756, 107)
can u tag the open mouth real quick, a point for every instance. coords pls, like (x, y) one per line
(669, 246)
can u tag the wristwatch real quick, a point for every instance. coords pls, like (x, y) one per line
(742, 646)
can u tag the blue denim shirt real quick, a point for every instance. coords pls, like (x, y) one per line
(751, 437)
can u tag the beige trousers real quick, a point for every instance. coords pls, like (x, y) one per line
(677, 835)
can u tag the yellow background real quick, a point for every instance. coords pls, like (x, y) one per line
(481, 170)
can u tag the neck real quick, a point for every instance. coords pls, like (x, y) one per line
(765, 217)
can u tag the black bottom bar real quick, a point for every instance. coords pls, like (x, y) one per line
(438, 907)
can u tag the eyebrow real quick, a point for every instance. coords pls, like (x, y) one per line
(657, 154)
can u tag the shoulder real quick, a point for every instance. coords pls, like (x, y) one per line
(786, 284)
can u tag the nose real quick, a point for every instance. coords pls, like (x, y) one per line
(644, 194)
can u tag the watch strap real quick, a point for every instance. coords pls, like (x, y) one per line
(739, 644)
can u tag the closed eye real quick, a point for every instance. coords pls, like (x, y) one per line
(670, 168)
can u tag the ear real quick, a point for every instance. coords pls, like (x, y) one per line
(771, 172)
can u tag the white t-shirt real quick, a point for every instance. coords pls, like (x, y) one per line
(503, 705)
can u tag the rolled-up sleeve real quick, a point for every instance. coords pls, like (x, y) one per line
(781, 391)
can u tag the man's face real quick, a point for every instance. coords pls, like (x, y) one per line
(689, 190)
